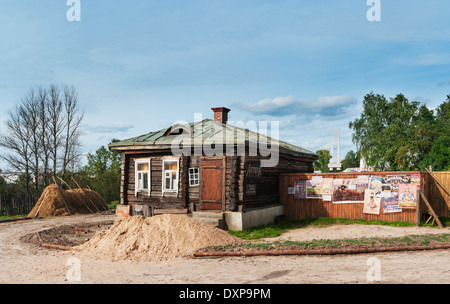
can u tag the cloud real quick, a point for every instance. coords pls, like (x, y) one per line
(312, 143)
(118, 127)
(324, 106)
(443, 83)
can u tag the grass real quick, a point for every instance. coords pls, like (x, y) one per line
(6, 217)
(112, 206)
(409, 240)
(274, 230)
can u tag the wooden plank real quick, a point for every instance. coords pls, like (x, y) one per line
(62, 197)
(439, 182)
(431, 209)
(418, 213)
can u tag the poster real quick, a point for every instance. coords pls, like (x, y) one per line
(291, 190)
(362, 181)
(376, 183)
(348, 191)
(300, 189)
(327, 189)
(407, 196)
(314, 187)
(372, 203)
(389, 201)
(391, 182)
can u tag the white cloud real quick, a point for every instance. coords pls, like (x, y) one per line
(117, 127)
(329, 106)
(444, 83)
(311, 143)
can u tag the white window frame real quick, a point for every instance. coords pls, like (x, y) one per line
(137, 187)
(193, 176)
(177, 178)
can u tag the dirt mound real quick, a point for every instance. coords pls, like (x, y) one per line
(55, 202)
(157, 238)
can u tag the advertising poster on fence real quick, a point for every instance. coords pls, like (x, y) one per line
(347, 191)
(407, 196)
(372, 203)
(314, 187)
(389, 201)
(300, 189)
(327, 189)
(391, 182)
(376, 183)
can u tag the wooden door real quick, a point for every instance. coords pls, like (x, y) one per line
(211, 175)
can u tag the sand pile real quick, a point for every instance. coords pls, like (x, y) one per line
(78, 201)
(157, 238)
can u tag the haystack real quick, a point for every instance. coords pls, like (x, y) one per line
(56, 201)
(157, 238)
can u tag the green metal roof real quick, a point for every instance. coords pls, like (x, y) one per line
(206, 131)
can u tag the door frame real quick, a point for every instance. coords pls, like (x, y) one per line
(222, 188)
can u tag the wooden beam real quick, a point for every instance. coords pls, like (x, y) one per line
(431, 210)
(418, 208)
(62, 196)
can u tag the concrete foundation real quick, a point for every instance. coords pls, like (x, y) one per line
(252, 218)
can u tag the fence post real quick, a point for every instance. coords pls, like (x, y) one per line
(418, 208)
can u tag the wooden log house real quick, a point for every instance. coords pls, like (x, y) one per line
(229, 176)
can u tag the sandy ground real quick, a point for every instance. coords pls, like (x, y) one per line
(27, 263)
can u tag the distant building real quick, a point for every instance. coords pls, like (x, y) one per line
(10, 178)
(334, 164)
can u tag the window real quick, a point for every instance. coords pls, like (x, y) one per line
(142, 176)
(170, 175)
(193, 177)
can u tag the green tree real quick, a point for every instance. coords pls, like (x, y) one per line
(393, 135)
(351, 160)
(439, 155)
(322, 163)
(102, 172)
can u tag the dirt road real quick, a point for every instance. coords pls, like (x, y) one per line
(22, 262)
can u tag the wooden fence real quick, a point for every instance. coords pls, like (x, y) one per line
(439, 198)
(318, 208)
(16, 205)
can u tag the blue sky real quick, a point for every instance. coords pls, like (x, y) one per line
(139, 66)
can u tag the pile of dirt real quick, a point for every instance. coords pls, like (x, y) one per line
(56, 201)
(157, 238)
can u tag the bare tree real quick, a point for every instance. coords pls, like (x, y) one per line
(16, 140)
(44, 132)
(43, 128)
(56, 125)
(29, 113)
(73, 119)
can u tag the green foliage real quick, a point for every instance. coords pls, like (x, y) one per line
(401, 135)
(351, 160)
(102, 173)
(439, 156)
(322, 163)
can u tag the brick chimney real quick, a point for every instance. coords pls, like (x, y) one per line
(221, 114)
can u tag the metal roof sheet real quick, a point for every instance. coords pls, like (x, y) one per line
(207, 131)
